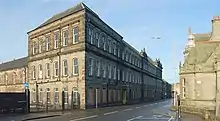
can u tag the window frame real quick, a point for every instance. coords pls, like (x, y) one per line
(75, 66)
(76, 35)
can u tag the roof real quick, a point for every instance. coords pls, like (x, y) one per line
(79, 7)
(18, 63)
(202, 37)
(201, 52)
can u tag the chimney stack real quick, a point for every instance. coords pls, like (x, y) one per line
(215, 28)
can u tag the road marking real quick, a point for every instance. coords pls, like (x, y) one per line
(145, 105)
(134, 118)
(84, 118)
(110, 113)
(138, 107)
(127, 109)
(170, 118)
(154, 118)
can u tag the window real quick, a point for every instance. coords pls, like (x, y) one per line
(34, 48)
(97, 39)
(75, 66)
(184, 92)
(109, 71)
(118, 74)
(56, 40)
(48, 69)
(114, 72)
(107, 45)
(33, 95)
(110, 46)
(33, 72)
(127, 76)
(90, 39)
(184, 82)
(40, 72)
(75, 35)
(123, 75)
(65, 38)
(98, 68)
(90, 66)
(48, 95)
(114, 48)
(56, 95)
(41, 95)
(47, 43)
(104, 70)
(65, 96)
(118, 49)
(104, 43)
(6, 78)
(65, 68)
(13, 77)
(40, 46)
(56, 68)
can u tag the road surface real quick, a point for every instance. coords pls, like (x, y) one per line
(158, 111)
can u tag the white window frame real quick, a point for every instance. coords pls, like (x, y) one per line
(48, 70)
(97, 39)
(119, 75)
(104, 70)
(56, 40)
(114, 72)
(75, 66)
(47, 43)
(110, 46)
(90, 32)
(34, 48)
(109, 73)
(40, 67)
(56, 96)
(56, 68)
(40, 46)
(65, 38)
(90, 65)
(41, 95)
(48, 95)
(75, 35)
(65, 67)
(33, 72)
(98, 68)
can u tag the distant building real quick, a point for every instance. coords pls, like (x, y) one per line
(199, 74)
(13, 75)
(77, 53)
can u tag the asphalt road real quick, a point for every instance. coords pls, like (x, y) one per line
(143, 112)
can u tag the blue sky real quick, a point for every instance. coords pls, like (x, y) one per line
(136, 20)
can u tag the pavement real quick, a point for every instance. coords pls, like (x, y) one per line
(157, 111)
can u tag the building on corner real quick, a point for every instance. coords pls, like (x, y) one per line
(199, 74)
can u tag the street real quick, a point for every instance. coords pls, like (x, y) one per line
(141, 112)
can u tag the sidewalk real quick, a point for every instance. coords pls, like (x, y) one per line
(30, 116)
(191, 117)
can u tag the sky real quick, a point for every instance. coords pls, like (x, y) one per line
(136, 20)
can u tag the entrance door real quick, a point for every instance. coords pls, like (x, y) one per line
(76, 102)
(124, 91)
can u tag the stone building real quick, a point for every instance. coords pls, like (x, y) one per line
(199, 75)
(13, 75)
(77, 52)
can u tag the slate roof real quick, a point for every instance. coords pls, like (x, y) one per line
(79, 7)
(202, 37)
(18, 63)
(201, 52)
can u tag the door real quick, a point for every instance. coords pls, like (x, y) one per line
(76, 99)
(124, 96)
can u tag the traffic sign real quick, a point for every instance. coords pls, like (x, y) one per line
(26, 84)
